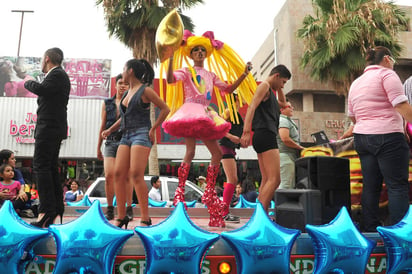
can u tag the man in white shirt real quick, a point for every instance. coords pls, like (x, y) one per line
(154, 192)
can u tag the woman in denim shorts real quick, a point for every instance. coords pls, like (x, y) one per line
(110, 114)
(138, 135)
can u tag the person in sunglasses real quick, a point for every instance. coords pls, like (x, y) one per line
(195, 119)
(289, 147)
(377, 106)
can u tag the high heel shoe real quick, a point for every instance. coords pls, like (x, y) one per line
(61, 217)
(123, 222)
(147, 223)
(46, 220)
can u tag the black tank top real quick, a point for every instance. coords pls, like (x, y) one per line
(267, 114)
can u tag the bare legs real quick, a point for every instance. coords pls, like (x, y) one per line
(269, 164)
(129, 164)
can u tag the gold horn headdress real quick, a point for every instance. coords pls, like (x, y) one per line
(221, 59)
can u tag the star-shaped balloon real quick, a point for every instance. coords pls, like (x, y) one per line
(154, 203)
(398, 244)
(188, 204)
(339, 246)
(176, 244)
(262, 246)
(83, 202)
(88, 244)
(243, 203)
(16, 239)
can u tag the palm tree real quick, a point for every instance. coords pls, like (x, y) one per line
(134, 23)
(337, 37)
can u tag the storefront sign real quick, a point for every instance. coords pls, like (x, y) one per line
(24, 132)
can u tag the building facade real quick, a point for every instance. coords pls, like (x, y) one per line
(317, 106)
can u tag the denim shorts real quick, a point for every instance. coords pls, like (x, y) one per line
(136, 137)
(110, 148)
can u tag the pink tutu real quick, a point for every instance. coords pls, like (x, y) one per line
(194, 120)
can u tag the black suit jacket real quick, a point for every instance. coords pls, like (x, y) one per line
(53, 96)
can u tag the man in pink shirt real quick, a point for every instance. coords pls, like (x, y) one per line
(376, 105)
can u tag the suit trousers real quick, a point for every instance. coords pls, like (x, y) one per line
(45, 167)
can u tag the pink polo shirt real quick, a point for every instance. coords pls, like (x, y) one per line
(372, 98)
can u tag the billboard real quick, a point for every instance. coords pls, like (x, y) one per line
(89, 78)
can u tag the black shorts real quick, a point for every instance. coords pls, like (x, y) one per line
(264, 140)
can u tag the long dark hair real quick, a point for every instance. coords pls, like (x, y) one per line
(142, 70)
(374, 56)
(5, 155)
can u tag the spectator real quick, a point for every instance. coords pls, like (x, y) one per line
(289, 147)
(201, 180)
(154, 192)
(7, 157)
(249, 191)
(75, 194)
(11, 189)
(236, 195)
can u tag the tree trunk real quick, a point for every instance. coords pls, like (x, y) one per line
(153, 158)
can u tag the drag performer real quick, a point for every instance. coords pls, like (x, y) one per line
(195, 119)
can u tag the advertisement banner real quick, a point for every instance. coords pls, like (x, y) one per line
(89, 78)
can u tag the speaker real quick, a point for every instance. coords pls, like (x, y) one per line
(329, 175)
(294, 208)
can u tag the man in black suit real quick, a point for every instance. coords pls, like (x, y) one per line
(51, 128)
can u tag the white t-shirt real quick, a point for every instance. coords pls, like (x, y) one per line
(154, 194)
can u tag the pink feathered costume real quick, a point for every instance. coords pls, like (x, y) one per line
(193, 119)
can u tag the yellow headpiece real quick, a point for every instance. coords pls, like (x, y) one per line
(194, 41)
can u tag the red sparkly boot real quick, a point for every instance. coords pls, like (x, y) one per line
(182, 173)
(210, 198)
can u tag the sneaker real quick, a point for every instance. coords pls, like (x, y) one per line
(129, 212)
(229, 218)
(27, 213)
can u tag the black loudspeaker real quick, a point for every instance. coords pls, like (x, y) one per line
(329, 175)
(295, 208)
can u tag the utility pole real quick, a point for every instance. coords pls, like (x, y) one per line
(21, 26)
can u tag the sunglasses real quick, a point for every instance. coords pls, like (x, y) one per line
(392, 59)
(196, 49)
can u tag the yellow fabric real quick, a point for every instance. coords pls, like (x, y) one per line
(225, 63)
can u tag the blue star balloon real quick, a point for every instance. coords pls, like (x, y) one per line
(154, 203)
(189, 204)
(83, 202)
(398, 244)
(16, 240)
(176, 244)
(241, 202)
(262, 246)
(88, 244)
(339, 246)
